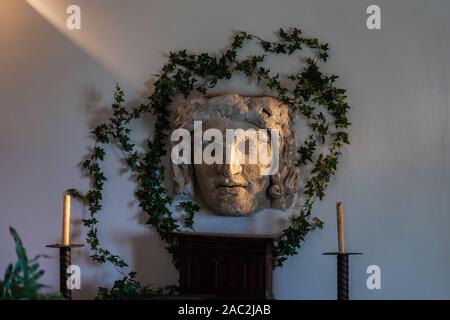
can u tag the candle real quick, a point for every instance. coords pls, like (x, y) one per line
(65, 241)
(340, 227)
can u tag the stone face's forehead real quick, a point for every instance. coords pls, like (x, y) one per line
(263, 112)
(229, 124)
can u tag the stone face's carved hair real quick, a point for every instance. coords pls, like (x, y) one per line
(263, 112)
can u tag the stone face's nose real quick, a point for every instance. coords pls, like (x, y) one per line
(233, 160)
(229, 170)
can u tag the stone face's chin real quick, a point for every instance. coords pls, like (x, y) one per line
(232, 210)
(226, 191)
(231, 201)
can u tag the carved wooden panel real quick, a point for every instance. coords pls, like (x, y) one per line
(226, 265)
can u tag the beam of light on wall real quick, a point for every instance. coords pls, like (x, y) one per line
(90, 37)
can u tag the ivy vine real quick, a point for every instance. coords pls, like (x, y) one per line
(309, 93)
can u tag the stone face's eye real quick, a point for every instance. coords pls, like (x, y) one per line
(265, 114)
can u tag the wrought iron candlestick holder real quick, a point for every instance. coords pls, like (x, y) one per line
(65, 260)
(342, 273)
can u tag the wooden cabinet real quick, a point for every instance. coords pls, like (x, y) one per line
(235, 266)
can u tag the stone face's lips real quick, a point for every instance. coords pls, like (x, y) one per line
(231, 185)
(237, 181)
(231, 190)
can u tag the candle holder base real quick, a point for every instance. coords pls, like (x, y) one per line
(65, 260)
(342, 273)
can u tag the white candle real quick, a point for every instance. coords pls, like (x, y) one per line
(340, 227)
(65, 241)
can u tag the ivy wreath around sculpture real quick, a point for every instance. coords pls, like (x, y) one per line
(308, 93)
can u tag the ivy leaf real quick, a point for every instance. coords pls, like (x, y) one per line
(99, 153)
(190, 208)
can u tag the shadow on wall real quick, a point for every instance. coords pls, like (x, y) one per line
(152, 262)
(151, 271)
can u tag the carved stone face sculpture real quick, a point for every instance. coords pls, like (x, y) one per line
(239, 189)
(232, 188)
